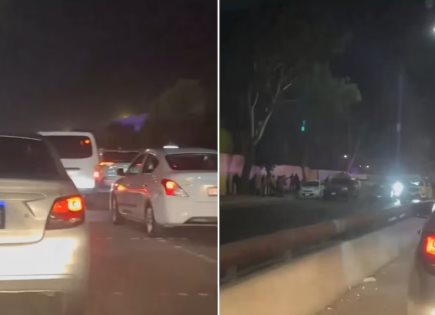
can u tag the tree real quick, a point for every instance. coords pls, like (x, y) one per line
(264, 62)
(185, 99)
(326, 104)
(177, 115)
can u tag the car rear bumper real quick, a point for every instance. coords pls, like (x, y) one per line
(337, 193)
(176, 211)
(57, 263)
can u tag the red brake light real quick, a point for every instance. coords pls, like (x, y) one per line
(66, 212)
(429, 245)
(173, 189)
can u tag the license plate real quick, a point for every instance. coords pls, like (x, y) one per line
(2, 214)
(212, 191)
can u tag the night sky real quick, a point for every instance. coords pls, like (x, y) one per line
(81, 63)
(386, 35)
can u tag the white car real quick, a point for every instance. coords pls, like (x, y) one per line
(167, 188)
(311, 189)
(44, 241)
(79, 155)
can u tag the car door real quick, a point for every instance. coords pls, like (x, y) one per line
(140, 186)
(126, 195)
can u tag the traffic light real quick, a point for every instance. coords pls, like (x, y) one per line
(303, 126)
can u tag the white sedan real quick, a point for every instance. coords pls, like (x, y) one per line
(167, 188)
(311, 189)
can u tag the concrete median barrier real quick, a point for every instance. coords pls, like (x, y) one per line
(240, 255)
(308, 284)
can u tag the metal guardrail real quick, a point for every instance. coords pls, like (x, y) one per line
(247, 253)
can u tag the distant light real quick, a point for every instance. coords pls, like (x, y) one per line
(367, 166)
(360, 165)
(345, 156)
(415, 200)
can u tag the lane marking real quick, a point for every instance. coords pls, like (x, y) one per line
(202, 294)
(182, 294)
(134, 238)
(117, 293)
(200, 256)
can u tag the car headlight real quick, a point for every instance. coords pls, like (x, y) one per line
(397, 189)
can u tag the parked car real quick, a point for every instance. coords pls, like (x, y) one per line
(105, 173)
(311, 189)
(79, 155)
(421, 288)
(340, 187)
(44, 241)
(378, 191)
(165, 188)
(416, 191)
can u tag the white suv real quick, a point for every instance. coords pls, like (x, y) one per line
(167, 188)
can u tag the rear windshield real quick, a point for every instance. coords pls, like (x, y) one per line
(27, 159)
(310, 184)
(192, 161)
(116, 156)
(72, 147)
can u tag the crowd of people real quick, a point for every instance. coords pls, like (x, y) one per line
(269, 184)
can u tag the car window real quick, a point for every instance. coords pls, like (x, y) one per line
(118, 156)
(137, 165)
(27, 158)
(150, 164)
(71, 147)
(192, 161)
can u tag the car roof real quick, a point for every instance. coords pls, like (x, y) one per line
(66, 133)
(22, 136)
(180, 151)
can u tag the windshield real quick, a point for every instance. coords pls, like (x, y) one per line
(27, 159)
(192, 161)
(71, 147)
(118, 156)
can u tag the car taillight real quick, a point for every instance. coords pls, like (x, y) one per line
(173, 189)
(106, 163)
(66, 212)
(96, 174)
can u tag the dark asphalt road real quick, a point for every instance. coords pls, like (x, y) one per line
(240, 222)
(132, 274)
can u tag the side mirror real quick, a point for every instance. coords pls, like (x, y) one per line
(120, 172)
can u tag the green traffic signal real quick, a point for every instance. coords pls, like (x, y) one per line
(303, 126)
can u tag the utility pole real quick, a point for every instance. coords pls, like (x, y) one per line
(399, 117)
